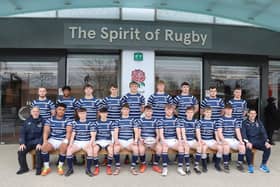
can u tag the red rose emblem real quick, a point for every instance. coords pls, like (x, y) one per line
(138, 75)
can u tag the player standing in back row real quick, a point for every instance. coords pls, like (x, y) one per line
(216, 103)
(185, 100)
(90, 103)
(158, 100)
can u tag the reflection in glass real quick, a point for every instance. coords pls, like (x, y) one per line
(19, 82)
(175, 70)
(98, 70)
(274, 80)
(226, 78)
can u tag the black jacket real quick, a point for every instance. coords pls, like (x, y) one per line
(253, 132)
(31, 133)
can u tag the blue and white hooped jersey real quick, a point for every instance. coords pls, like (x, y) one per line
(158, 102)
(216, 104)
(91, 105)
(228, 125)
(207, 129)
(182, 102)
(148, 127)
(190, 128)
(82, 130)
(126, 128)
(45, 107)
(71, 106)
(238, 108)
(57, 127)
(104, 129)
(135, 101)
(113, 104)
(169, 126)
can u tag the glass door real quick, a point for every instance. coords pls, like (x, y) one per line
(226, 78)
(19, 81)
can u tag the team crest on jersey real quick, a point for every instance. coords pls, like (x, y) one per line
(39, 125)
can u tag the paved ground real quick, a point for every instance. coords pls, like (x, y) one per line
(8, 178)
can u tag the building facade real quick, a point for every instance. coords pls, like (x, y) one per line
(52, 53)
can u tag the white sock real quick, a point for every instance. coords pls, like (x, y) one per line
(60, 164)
(46, 165)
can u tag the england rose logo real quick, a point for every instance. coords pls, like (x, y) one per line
(138, 76)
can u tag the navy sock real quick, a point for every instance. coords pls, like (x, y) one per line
(226, 159)
(45, 157)
(134, 160)
(217, 161)
(197, 158)
(204, 162)
(117, 160)
(89, 162)
(61, 158)
(69, 160)
(240, 158)
(164, 159)
(109, 161)
(95, 161)
(180, 159)
(187, 159)
(156, 160)
(143, 159)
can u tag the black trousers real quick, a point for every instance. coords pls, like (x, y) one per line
(22, 157)
(258, 146)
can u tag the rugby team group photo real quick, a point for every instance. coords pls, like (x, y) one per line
(159, 123)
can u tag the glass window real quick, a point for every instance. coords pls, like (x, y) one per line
(138, 14)
(226, 78)
(175, 70)
(172, 15)
(19, 82)
(98, 70)
(100, 13)
(274, 79)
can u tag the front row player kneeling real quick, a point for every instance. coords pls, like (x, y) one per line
(81, 139)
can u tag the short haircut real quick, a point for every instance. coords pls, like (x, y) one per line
(133, 83)
(81, 110)
(208, 108)
(103, 110)
(113, 86)
(126, 105)
(60, 105)
(66, 88)
(35, 107)
(148, 107)
(88, 86)
(190, 108)
(185, 84)
(42, 87)
(160, 82)
(251, 109)
(168, 106)
(237, 88)
(212, 87)
(228, 106)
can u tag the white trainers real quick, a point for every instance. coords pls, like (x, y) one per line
(164, 171)
(181, 171)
